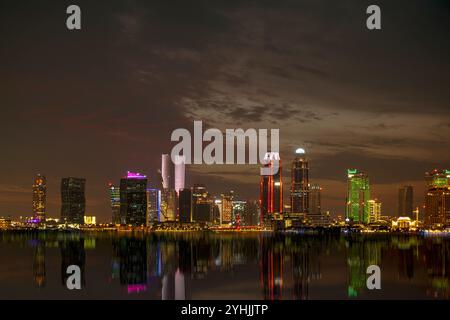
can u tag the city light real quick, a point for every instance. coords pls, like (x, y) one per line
(135, 175)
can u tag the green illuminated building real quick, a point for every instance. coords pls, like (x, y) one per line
(437, 178)
(358, 196)
(437, 199)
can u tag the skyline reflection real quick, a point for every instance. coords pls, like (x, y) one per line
(225, 266)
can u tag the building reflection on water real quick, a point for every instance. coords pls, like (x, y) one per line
(131, 257)
(361, 253)
(72, 253)
(408, 256)
(306, 267)
(39, 264)
(296, 261)
(174, 266)
(436, 259)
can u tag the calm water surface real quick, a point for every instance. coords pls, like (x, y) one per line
(222, 266)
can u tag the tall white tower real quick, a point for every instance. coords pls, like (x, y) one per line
(180, 172)
(166, 166)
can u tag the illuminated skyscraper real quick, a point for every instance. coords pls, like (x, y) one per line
(227, 207)
(239, 207)
(114, 198)
(166, 169)
(437, 199)
(169, 196)
(153, 205)
(405, 202)
(300, 183)
(185, 205)
(437, 178)
(358, 196)
(201, 204)
(180, 171)
(374, 210)
(216, 214)
(271, 187)
(314, 214)
(169, 204)
(133, 199)
(73, 201)
(39, 198)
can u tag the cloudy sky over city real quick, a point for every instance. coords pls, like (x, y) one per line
(100, 101)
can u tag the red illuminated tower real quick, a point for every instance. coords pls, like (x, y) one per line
(271, 187)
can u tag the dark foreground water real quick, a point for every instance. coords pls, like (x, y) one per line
(222, 266)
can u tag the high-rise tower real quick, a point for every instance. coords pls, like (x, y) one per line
(374, 210)
(73, 201)
(227, 207)
(133, 199)
(166, 169)
(358, 196)
(271, 187)
(180, 171)
(437, 199)
(185, 205)
(114, 198)
(300, 183)
(201, 204)
(314, 201)
(153, 205)
(405, 202)
(39, 198)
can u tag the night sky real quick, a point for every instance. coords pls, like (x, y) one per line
(100, 101)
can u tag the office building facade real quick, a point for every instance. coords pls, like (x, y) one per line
(227, 207)
(314, 214)
(358, 196)
(114, 200)
(153, 205)
(300, 185)
(405, 202)
(39, 198)
(185, 205)
(133, 199)
(73, 200)
(374, 211)
(166, 172)
(437, 199)
(180, 172)
(201, 204)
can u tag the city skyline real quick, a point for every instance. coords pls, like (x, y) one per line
(104, 100)
(358, 206)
